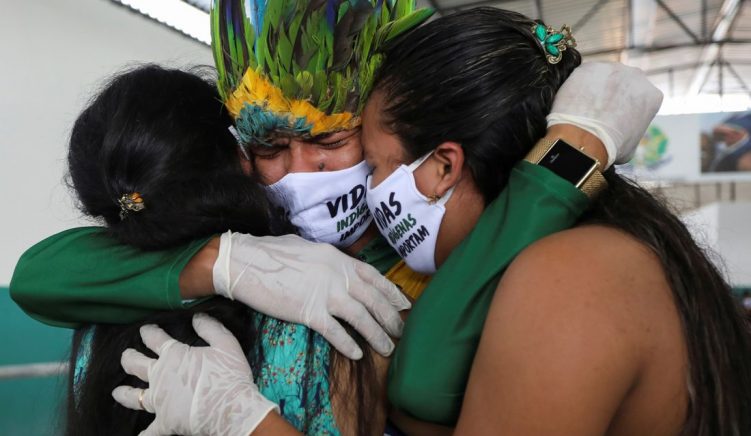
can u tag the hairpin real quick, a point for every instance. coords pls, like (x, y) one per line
(554, 42)
(131, 202)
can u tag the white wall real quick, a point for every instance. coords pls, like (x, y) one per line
(54, 54)
(725, 228)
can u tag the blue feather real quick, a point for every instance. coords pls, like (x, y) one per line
(255, 10)
(331, 7)
(255, 123)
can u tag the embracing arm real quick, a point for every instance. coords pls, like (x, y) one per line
(83, 275)
(429, 371)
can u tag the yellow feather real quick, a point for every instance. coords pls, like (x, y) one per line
(256, 90)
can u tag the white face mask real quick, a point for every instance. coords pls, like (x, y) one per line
(326, 206)
(406, 218)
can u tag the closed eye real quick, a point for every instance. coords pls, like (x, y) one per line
(266, 152)
(334, 140)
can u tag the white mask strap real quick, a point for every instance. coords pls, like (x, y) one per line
(416, 164)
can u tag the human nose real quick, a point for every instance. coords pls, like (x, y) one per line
(304, 158)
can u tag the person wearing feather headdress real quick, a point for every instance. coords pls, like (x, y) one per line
(296, 89)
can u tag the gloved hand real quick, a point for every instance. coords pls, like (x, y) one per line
(612, 101)
(310, 283)
(194, 390)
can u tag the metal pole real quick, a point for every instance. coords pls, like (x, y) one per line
(678, 21)
(588, 15)
(33, 370)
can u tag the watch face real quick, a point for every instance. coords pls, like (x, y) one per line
(568, 162)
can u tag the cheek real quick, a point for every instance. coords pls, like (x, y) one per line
(379, 175)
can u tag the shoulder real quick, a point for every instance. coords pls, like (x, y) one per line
(602, 284)
(588, 259)
(568, 331)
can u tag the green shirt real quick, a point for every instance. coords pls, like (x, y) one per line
(429, 371)
(82, 275)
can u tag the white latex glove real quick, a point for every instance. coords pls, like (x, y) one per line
(310, 283)
(612, 101)
(194, 390)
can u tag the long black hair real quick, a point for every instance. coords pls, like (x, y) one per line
(480, 78)
(162, 133)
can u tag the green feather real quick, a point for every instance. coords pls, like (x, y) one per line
(403, 24)
(284, 51)
(305, 82)
(300, 52)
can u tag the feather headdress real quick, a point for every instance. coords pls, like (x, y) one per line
(302, 67)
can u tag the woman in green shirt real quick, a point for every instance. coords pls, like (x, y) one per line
(620, 325)
(470, 205)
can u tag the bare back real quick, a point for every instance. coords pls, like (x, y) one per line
(582, 338)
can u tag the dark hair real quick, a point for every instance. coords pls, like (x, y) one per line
(456, 78)
(164, 134)
(91, 409)
(716, 332)
(480, 78)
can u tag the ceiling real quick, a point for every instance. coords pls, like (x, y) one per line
(688, 47)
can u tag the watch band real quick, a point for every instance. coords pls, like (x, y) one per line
(591, 186)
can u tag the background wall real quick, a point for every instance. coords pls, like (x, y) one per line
(54, 55)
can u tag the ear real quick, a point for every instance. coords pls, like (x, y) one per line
(449, 160)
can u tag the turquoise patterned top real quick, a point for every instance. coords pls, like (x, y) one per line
(294, 370)
(294, 374)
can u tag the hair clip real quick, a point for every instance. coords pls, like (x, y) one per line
(131, 202)
(554, 42)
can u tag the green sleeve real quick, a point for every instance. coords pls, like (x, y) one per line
(429, 371)
(84, 276)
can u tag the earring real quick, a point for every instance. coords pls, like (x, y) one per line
(321, 166)
(434, 198)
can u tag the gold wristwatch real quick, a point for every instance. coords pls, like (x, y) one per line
(570, 163)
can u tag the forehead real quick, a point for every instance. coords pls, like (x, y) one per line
(378, 141)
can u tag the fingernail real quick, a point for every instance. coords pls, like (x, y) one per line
(356, 354)
(389, 349)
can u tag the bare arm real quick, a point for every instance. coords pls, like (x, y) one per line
(196, 279)
(558, 354)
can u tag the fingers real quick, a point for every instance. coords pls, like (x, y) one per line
(371, 276)
(360, 319)
(155, 338)
(338, 337)
(135, 363)
(380, 307)
(133, 398)
(215, 334)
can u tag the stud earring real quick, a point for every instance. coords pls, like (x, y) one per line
(434, 198)
(321, 166)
